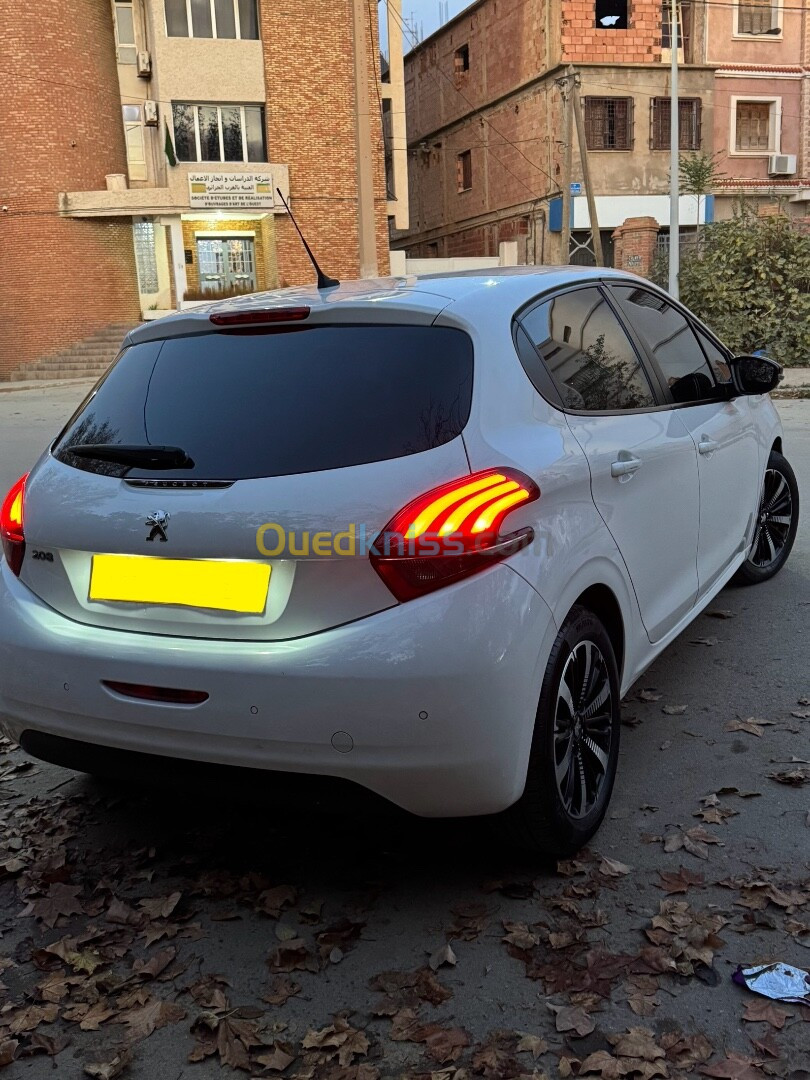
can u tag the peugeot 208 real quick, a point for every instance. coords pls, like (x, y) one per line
(419, 534)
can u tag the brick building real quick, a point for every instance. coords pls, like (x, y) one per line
(485, 128)
(761, 52)
(143, 142)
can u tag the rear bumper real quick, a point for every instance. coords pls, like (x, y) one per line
(430, 704)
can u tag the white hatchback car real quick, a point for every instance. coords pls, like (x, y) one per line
(417, 534)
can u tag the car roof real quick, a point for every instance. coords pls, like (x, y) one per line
(414, 299)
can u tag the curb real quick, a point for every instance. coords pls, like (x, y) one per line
(46, 384)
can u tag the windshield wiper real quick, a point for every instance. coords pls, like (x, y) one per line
(140, 457)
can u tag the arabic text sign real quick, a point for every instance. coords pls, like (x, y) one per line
(221, 191)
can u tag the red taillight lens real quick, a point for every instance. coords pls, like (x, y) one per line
(451, 532)
(254, 318)
(11, 525)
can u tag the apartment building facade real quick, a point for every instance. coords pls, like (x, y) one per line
(146, 142)
(485, 118)
(761, 53)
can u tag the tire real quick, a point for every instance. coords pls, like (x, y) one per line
(778, 520)
(557, 816)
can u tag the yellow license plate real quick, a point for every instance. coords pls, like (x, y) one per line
(197, 583)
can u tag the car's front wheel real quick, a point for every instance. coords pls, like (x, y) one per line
(576, 741)
(777, 521)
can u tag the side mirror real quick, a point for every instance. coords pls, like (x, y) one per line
(754, 374)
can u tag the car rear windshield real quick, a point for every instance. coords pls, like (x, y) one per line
(249, 404)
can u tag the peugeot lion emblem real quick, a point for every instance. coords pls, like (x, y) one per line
(158, 523)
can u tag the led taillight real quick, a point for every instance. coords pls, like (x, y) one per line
(11, 525)
(452, 531)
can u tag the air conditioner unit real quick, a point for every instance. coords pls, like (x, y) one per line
(144, 65)
(781, 164)
(150, 113)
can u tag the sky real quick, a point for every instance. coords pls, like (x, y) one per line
(423, 17)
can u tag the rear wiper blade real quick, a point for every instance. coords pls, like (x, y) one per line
(141, 457)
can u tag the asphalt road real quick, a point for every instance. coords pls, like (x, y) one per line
(366, 893)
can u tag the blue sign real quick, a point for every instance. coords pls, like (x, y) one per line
(576, 189)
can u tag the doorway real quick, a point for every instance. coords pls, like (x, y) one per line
(227, 263)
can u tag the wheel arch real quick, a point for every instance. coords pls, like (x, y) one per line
(777, 445)
(602, 601)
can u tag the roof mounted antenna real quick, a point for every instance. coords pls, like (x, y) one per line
(324, 281)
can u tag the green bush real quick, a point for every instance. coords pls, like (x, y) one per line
(749, 280)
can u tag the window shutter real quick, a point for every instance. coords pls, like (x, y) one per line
(629, 138)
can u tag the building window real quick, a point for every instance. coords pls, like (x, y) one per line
(464, 171)
(145, 257)
(684, 17)
(212, 18)
(219, 132)
(609, 123)
(125, 48)
(756, 128)
(612, 14)
(757, 17)
(461, 60)
(133, 137)
(689, 110)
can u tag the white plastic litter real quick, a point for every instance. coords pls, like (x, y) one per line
(781, 982)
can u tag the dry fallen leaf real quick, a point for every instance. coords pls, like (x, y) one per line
(109, 1065)
(674, 710)
(572, 1019)
(791, 777)
(637, 1043)
(613, 868)
(160, 907)
(273, 901)
(764, 1011)
(531, 1044)
(443, 955)
(686, 1051)
(719, 613)
(715, 815)
(60, 899)
(278, 1059)
(144, 1019)
(735, 1067)
(705, 641)
(648, 695)
(694, 840)
(280, 990)
(751, 724)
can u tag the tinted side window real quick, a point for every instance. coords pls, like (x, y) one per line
(588, 354)
(671, 340)
(718, 360)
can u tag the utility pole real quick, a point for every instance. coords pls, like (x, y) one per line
(366, 230)
(586, 174)
(568, 161)
(674, 147)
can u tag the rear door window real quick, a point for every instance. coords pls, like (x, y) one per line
(249, 404)
(587, 353)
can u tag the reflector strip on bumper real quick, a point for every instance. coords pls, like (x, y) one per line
(199, 583)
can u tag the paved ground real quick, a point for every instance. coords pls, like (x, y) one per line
(176, 935)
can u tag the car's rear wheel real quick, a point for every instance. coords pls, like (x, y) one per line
(777, 521)
(575, 748)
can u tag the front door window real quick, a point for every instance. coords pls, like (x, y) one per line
(227, 264)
